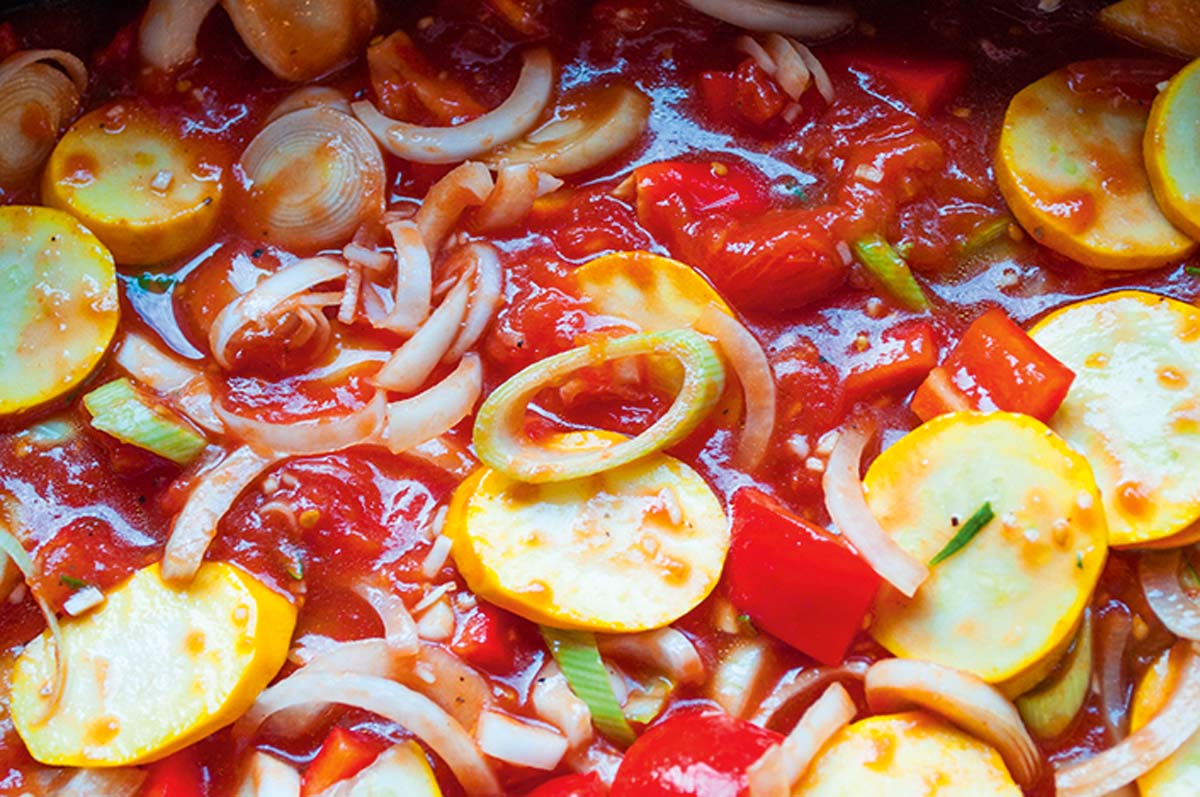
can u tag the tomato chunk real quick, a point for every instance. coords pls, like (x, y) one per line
(905, 356)
(343, 755)
(177, 775)
(925, 85)
(493, 639)
(693, 754)
(819, 612)
(588, 785)
(996, 366)
(672, 193)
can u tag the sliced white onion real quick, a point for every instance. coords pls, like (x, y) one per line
(15, 553)
(414, 279)
(783, 764)
(789, 71)
(392, 701)
(302, 41)
(962, 698)
(186, 386)
(371, 260)
(799, 685)
(348, 308)
(314, 176)
(1159, 574)
(752, 48)
(312, 436)
(590, 126)
(750, 363)
(819, 74)
(514, 742)
(214, 493)
(1146, 747)
(450, 682)
(663, 649)
(439, 554)
(425, 417)
(269, 297)
(847, 506)
(414, 361)
(555, 703)
(1114, 630)
(437, 623)
(510, 120)
(167, 37)
(37, 101)
(118, 782)
(487, 295)
(810, 23)
(266, 776)
(737, 676)
(399, 630)
(510, 201)
(444, 453)
(311, 97)
(467, 185)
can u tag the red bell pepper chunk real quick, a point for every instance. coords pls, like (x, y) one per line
(490, 638)
(693, 754)
(925, 85)
(178, 775)
(588, 785)
(795, 580)
(905, 357)
(996, 366)
(343, 755)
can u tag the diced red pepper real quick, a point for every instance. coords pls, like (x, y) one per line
(178, 775)
(672, 193)
(490, 638)
(996, 366)
(343, 755)
(588, 785)
(906, 356)
(925, 85)
(796, 580)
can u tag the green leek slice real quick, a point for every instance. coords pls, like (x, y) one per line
(500, 440)
(120, 410)
(579, 659)
(1049, 709)
(886, 265)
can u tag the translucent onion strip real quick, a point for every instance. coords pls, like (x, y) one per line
(847, 505)
(175, 381)
(750, 363)
(511, 199)
(800, 685)
(510, 120)
(555, 703)
(467, 185)
(16, 553)
(782, 765)
(390, 700)
(508, 739)
(962, 698)
(267, 776)
(37, 101)
(1146, 747)
(212, 496)
(414, 279)
(807, 22)
(663, 649)
(430, 414)
(314, 176)
(167, 37)
(499, 435)
(311, 436)
(487, 294)
(1159, 574)
(415, 361)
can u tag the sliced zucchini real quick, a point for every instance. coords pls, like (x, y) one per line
(147, 193)
(153, 670)
(1179, 774)
(1133, 409)
(1172, 149)
(1170, 26)
(1049, 709)
(629, 549)
(1006, 605)
(61, 309)
(656, 293)
(913, 754)
(1070, 167)
(119, 409)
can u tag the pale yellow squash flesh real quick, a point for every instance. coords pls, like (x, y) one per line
(1006, 605)
(1171, 26)
(1070, 167)
(147, 193)
(400, 771)
(654, 292)
(1134, 408)
(629, 549)
(61, 307)
(1179, 774)
(913, 754)
(1172, 149)
(154, 669)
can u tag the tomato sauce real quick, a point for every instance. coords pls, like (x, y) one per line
(920, 168)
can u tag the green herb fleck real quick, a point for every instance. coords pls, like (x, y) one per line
(973, 526)
(72, 582)
(1193, 271)
(295, 569)
(1079, 560)
(156, 283)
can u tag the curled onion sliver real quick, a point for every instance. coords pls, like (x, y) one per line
(466, 185)
(167, 37)
(556, 704)
(1143, 749)
(312, 436)
(487, 294)
(663, 649)
(783, 764)
(798, 685)
(847, 505)
(390, 700)
(433, 412)
(508, 739)
(964, 699)
(414, 362)
(512, 118)
(499, 436)
(811, 23)
(414, 279)
(20, 558)
(1159, 574)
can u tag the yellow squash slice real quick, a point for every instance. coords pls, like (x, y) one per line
(1134, 408)
(1004, 606)
(913, 754)
(1171, 26)
(629, 549)
(1172, 148)
(154, 669)
(1070, 167)
(1179, 775)
(656, 293)
(148, 194)
(400, 771)
(60, 309)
